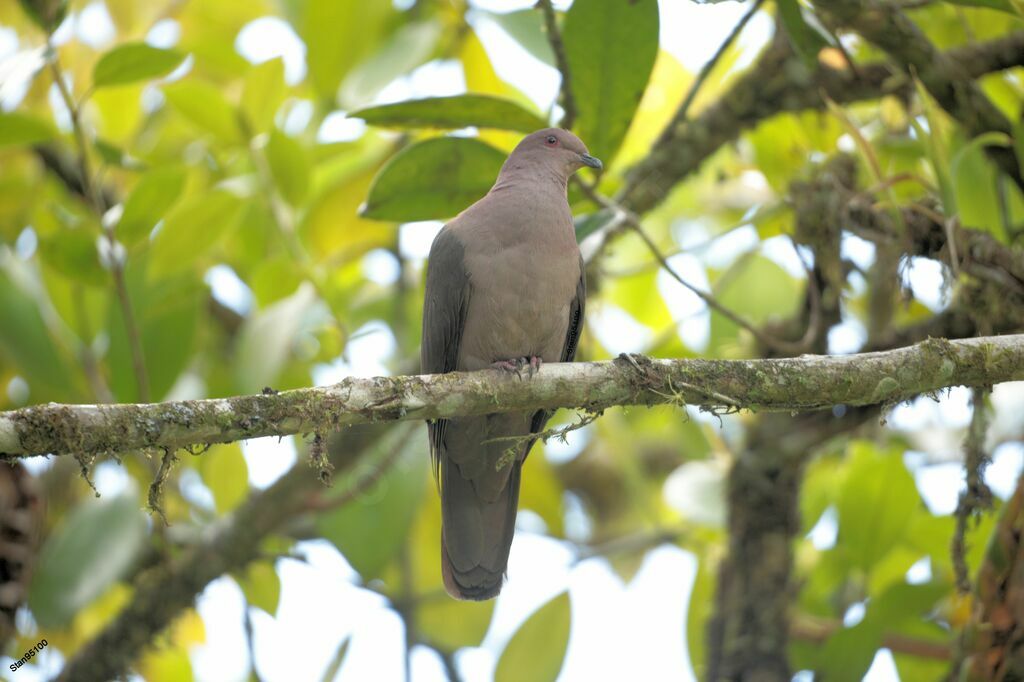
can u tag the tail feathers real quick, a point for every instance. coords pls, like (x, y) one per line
(476, 534)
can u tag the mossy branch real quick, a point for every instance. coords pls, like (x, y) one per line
(779, 82)
(789, 384)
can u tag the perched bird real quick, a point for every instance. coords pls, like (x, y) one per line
(505, 289)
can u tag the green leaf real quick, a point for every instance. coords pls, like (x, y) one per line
(72, 253)
(804, 38)
(17, 129)
(154, 194)
(409, 46)
(133, 62)
(338, 35)
(876, 503)
(262, 94)
(974, 183)
(1018, 142)
(289, 164)
(192, 228)
(702, 598)
(226, 474)
(526, 26)
(205, 106)
(537, 649)
(25, 340)
(460, 111)
(610, 48)
(371, 528)
(167, 315)
(590, 223)
(266, 340)
(849, 652)
(433, 179)
(1001, 5)
(261, 586)
(94, 546)
(756, 288)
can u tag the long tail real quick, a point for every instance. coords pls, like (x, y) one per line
(478, 505)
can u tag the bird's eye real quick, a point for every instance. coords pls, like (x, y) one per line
(551, 140)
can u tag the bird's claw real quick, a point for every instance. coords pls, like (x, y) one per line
(517, 365)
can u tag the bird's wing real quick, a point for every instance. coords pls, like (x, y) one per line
(576, 311)
(444, 316)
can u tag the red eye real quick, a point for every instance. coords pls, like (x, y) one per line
(551, 140)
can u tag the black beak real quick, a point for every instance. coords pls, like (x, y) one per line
(591, 161)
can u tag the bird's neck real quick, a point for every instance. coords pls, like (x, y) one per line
(532, 179)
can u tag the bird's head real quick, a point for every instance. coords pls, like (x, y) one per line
(553, 150)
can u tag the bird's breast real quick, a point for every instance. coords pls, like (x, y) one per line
(521, 296)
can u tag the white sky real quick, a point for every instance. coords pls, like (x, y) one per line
(633, 631)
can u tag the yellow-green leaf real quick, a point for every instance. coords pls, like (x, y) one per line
(205, 106)
(267, 338)
(133, 62)
(154, 194)
(226, 474)
(262, 94)
(338, 34)
(192, 228)
(610, 48)
(537, 649)
(460, 111)
(18, 128)
(433, 179)
(261, 586)
(289, 164)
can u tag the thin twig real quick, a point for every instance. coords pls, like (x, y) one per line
(709, 65)
(557, 432)
(555, 39)
(976, 496)
(633, 222)
(96, 203)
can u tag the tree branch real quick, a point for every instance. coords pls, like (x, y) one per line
(769, 88)
(947, 79)
(787, 384)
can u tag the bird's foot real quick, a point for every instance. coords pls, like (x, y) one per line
(535, 363)
(517, 365)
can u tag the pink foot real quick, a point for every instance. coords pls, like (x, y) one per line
(517, 365)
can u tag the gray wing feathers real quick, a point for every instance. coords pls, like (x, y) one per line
(444, 316)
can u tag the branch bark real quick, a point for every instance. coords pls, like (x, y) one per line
(781, 385)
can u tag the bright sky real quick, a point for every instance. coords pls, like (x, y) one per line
(619, 631)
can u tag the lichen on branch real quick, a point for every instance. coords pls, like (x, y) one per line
(787, 384)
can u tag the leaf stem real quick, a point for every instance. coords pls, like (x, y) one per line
(96, 203)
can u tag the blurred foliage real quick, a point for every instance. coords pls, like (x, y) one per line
(252, 234)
